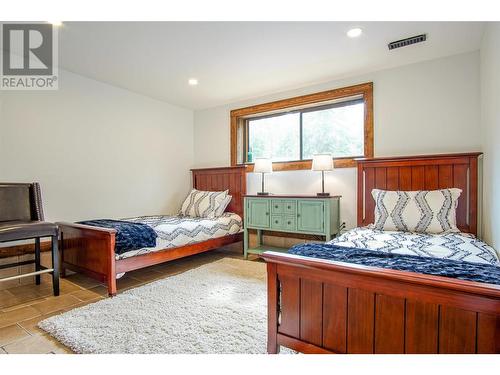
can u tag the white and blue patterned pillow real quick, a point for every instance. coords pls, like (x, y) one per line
(425, 211)
(222, 207)
(203, 203)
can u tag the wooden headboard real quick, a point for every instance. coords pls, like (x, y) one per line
(425, 172)
(223, 178)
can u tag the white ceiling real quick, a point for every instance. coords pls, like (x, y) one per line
(237, 60)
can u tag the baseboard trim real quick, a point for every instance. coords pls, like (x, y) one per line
(17, 250)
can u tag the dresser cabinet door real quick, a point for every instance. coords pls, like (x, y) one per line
(311, 216)
(258, 213)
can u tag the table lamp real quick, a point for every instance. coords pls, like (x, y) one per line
(322, 162)
(263, 165)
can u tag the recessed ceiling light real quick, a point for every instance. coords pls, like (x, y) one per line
(56, 23)
(354, 33)
(192, 81)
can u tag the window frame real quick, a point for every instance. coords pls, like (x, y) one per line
(364, 90)
(301, 112)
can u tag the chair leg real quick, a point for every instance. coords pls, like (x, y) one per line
(55, 265)
(61, 252)
(37, 260)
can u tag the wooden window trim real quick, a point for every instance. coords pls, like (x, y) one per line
(364, 89)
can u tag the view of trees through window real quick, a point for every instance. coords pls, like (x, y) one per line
(337, 129)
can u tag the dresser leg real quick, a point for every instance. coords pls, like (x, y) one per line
(245, 243)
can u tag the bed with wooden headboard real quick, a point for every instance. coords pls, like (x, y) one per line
(323, 306)
(91, 250)
(426, 172)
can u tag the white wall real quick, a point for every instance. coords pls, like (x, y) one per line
(429, 107)
(490, 118)
(97, 150)
(101, 151)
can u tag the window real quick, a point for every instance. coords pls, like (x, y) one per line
(276, 137)
(337, 129)
(291, 131)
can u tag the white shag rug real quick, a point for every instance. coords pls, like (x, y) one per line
(220, 307)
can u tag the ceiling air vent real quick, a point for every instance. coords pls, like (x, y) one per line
(407, 42)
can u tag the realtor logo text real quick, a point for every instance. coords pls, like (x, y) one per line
(29, 56)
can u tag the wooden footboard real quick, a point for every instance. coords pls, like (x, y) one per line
(320, 306)
(89, 250)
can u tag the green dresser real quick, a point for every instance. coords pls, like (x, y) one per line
(306, 214)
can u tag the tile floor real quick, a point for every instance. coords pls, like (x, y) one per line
(22, 307)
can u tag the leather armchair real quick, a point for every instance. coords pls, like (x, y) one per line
(21, 218)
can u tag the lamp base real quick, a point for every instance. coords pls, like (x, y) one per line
(323, 194)
(262, 193)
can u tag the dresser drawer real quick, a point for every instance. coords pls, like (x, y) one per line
(277, 222)
(290, 208)
(290, 223)
(287, 207)
(284, 222)
(277, 206)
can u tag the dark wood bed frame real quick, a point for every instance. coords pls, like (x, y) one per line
(321, 306)
(91, 250)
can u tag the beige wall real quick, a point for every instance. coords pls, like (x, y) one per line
(429, 107)
(97, 150)
(490, 118)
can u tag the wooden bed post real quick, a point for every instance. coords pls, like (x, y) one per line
(272, 309)
(111, 278)
(112, 286)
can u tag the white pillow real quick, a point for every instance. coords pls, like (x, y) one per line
(425, 211)
(202, 203)
(220, 210)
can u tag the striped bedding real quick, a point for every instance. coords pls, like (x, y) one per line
(454, 246)
(175, 231)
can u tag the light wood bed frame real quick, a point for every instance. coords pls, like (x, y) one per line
(321, 306)
(91, 250)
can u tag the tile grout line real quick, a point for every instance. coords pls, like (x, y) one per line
(24, 329)
(14, 340)
(22, 305)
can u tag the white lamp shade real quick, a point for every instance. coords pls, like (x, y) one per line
(322, 162)
(263, 165)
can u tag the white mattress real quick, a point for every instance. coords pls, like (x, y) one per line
(457, 246)
(175, 231)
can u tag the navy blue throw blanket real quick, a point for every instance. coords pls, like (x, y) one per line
(485, 273)
(129, 236)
